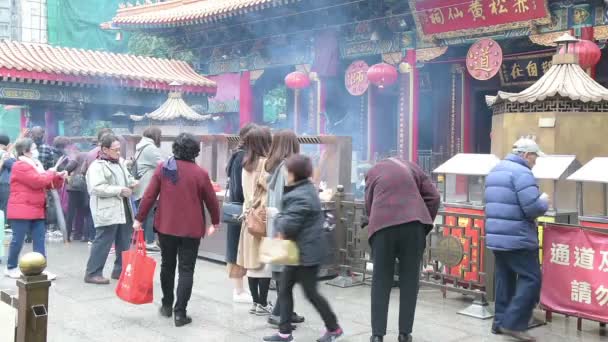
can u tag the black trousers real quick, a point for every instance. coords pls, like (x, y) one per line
(405, 242)
(77, 203)
(172, 248)
(259, 288)
(307, 277)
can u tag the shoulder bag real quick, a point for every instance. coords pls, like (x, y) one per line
(232, 212)
(255, 220)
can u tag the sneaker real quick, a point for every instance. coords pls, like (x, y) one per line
(331, 336)
(275, 321)
(254, 309)
(112, 250)
(14, 273)
(243, 297)
(50, 276)
(278, 338)
(264, 310)
(152, 247)
(518, 335)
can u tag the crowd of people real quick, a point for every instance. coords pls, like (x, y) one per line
(107, 197)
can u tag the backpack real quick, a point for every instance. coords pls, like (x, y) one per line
(133, 169)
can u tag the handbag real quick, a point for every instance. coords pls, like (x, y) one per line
(236, 271)
(232, 212)
(279, 252)
(59, 217)
(135, 284)
(255, 219)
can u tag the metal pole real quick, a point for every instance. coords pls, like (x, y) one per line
(554, 205)
(468, 189)
(606, 199)
(579, 195)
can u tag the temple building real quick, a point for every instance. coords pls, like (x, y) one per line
(407, 78)
(74, 91)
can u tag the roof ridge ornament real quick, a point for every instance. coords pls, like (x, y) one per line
(563, 54)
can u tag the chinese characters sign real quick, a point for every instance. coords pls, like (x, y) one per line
(453, 18)
(575, 272)
(524, 70)
(355, 78)
(484, 59)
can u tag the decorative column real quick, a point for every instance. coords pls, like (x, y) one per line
(408, 108)
(246, 99)
(457, 107)
(371, 127)
(73, 118)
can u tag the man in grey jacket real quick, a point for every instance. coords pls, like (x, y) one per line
(110, 186)
(147, 157)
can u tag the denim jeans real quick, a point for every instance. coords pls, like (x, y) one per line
(148, 223)
(518, 283)
(119, 235)
(20, 227)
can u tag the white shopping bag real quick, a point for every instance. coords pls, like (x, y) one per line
(8, 316)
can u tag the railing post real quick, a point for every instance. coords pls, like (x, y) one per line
(344, 278)
(33, 299)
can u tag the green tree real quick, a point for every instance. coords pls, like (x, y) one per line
(145, 44)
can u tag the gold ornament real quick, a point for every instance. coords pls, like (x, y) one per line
(32, 264)
(405, 68)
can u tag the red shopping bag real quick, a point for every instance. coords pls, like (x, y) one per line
(136, 280)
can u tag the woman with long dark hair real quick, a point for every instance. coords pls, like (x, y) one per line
(234, 171)
(257, 144)
(183, 190)
(284, 145)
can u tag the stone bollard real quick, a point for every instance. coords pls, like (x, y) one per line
(33, 299)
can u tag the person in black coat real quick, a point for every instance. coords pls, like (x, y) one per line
(301, 220)
(234, 170)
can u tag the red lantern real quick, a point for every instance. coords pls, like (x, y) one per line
(588, 53)
(382, 74)
(297, 80)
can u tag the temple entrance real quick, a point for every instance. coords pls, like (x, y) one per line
(481, 122)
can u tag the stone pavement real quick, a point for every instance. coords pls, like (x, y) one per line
(80, 312)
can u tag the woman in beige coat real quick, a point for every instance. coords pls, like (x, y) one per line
(256, 143)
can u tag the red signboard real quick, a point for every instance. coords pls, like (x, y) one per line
(355, 78)
(575, 272)
(452, 18)
(484, 59)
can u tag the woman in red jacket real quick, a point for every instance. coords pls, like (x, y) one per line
(183, 190)
(27, 203)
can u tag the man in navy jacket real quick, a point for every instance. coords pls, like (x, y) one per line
(513, 203)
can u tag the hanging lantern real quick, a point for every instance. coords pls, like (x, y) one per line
(297, 80)
(588, 53)
(382, 74)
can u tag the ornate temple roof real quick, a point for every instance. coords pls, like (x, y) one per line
(564, 79)
(188, 12)
(49, 64)
(174, 108)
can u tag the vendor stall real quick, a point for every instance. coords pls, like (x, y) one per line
(555, 169)
(455, 260)
(592, 173)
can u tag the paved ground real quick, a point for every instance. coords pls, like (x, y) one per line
(81, 312)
